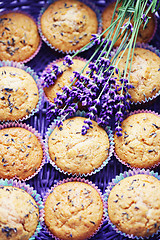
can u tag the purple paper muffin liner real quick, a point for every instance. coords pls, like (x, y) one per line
(116, 180)
(31, 192)
(50, 66)
(157, 52)
(89, 4)
(154, 16)
(36, 79)
(40, 40)
(39, 137)
(42, 212)
(115, 154)
(96, 170)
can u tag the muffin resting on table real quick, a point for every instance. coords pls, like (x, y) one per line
(144, 34)
(75, 153)
(73, 210)
(134, 205)
(139, 145)
(18, 93)
(68, 24)
(19, 214)
(65, 78)
(21, 153)
(19, 37)
(145, 74)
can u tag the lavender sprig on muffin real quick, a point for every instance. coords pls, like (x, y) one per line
(99, 92)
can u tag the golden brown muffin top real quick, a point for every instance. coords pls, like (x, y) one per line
(20, 153)
(19, 214)
(134, 205)
(68, 24)
(18, 93)
(145, 74)
(19, 37)
(73, 152)
(74, 210)
(139, 144)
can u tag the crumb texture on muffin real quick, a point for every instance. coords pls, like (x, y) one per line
(139, 144)
(19, 37)
(19, 214)
(68, 24)
(21, 153)
(73, 152)
(18, 93)
(74, 210)
(145, 74)
(134, 205)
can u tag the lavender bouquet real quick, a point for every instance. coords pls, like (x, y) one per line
(98, 91)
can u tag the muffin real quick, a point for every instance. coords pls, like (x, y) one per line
(144, 34)
(73, 210)
(21, 153)
(18, 93)
(75, 153)
(19, 214)
(139, 144)
(68, 24)
(144, 76)
(19, 37)
(65, 78)
(134, 205)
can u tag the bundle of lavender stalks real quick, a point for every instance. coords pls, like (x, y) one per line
(98, 91)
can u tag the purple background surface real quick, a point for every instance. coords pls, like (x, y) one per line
(48, 176)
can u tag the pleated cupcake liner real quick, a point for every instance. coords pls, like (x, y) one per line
(30, 191)
(157, 52)
(50, 66)
(40, 40)
(110, 186)
(38, 136)
(36, 79)
(49, 191)
(122, 161)
(96, 170)
(89, 4)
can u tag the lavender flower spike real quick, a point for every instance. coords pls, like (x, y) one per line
(96, 39)
(49, 75)
(68, 60)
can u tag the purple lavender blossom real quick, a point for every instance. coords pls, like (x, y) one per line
(50, 74)
(89, 122)
(68, 60)
(98, 93)
(96, 39)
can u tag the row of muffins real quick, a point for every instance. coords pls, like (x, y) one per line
(143, 78)
(74, 151)
(75, 208)
(22, 148)
(65, 25)
(147, 229)
(154, 124)
(77, 153)
(23, 99)
(71, 236)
